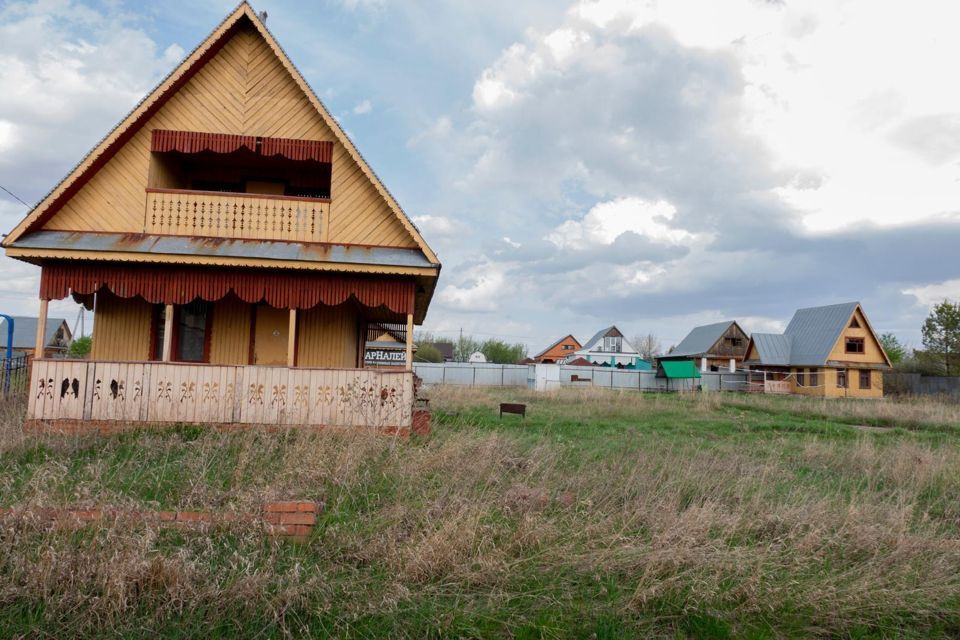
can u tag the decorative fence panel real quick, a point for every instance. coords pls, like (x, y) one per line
(212, 394)
(235, 215)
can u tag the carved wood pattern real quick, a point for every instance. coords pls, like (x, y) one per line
(204, 214)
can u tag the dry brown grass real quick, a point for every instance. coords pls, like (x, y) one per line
(487, 525)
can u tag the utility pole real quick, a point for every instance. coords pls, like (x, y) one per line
(460, 346)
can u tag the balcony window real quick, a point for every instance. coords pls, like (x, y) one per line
(240, 164)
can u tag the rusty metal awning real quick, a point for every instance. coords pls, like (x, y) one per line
(223, 248)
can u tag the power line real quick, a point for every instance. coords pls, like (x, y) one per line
(14, 195)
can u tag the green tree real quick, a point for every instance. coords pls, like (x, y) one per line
(80, 347)
(463, 347)
(426, 352)
(895, 350)
(941, 333)
(500, 352)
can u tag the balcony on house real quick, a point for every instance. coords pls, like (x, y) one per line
(232, 186)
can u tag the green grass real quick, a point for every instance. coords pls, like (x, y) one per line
(600, 515)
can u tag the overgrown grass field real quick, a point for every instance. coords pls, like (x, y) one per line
(600, 515)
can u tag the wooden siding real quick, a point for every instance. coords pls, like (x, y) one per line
(328, 337)
(221, 215)
(210, 394)
(244, 89)
(230, 333)
(121, 329)
(873, 353)
(723, 350)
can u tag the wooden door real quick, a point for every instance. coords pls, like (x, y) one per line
(270, 336)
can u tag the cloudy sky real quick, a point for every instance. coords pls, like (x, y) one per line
(577, 163)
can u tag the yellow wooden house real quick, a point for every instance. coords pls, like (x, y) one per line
(829, 351)
(234, 247)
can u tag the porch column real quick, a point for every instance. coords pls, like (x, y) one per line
(41, 330)
(409, 342)
(168, 333)
(292, 339)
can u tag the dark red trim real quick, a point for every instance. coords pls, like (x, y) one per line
(279, 289)
(162, 140)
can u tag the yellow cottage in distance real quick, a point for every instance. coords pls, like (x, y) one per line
(235, 248)
(829, 351)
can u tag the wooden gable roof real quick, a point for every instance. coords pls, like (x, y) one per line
(209, 74)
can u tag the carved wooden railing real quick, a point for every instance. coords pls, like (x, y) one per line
(235, 215)
(167, 392)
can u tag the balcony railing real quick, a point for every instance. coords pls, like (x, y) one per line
(235, 215)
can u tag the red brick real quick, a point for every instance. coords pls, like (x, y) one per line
(189, 516)
(298, 530)
(290, 506)
(90, 514)
(421, 422)
(298, 518)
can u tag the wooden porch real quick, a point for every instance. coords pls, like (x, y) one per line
(166, 392)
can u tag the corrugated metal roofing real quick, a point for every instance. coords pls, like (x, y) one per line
(224, 248)
(700, 339)
(680, 368)
(814, 331)
(25, 331)
(773, 348)
(569, 335)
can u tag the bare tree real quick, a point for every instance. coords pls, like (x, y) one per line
(649, 346)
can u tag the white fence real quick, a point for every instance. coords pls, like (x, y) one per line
(473, 374)
(512, 375)
(168, 392)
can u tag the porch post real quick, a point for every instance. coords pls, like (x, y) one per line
(168, 333)
(409, 342)
(41, 330)
(292, 339)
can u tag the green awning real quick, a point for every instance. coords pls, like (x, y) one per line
(680, 368)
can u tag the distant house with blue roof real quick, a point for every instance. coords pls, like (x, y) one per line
(721, 345)
(609, 348)
(829, 351)
(56, 339)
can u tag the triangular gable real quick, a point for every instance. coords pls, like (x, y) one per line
(169, 89)
(862, 325)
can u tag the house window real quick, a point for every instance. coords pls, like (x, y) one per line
(191, 329)
(814, 377)
(613, 344)
(855, 345)
(841, 378)
(865, 379)
(801, 378)
(854, 324)
(568, 347)
(735, 342)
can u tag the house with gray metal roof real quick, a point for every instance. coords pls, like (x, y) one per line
(56, 335)
(829, 351)
(721, 345)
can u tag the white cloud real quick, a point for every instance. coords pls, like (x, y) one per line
(363, 107)
(485, 292)
(607, 221)
(931, 294)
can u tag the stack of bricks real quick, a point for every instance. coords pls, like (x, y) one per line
(294, 519)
